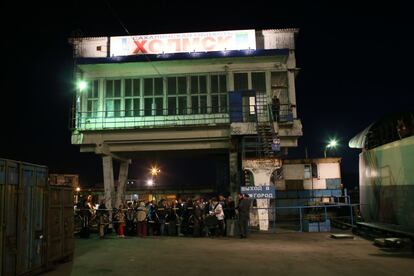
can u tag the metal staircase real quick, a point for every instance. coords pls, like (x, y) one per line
(264, 126)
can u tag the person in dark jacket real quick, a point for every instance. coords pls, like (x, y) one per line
(103, 216)
(152, 218)
(198, 218)
(244, 214)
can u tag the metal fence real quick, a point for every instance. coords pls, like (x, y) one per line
(165, 117)
(317, 218)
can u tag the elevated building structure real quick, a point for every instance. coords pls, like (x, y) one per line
(226, 91)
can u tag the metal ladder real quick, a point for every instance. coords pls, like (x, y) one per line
(264, 126)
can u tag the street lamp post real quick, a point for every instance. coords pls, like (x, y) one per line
(332, 144)
(154, 171)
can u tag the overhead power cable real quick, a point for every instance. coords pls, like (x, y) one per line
(115, 15)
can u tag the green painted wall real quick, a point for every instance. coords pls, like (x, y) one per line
(386, 176)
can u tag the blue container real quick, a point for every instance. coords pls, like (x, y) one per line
(23, 215)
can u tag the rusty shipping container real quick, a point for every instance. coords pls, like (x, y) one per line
(60, 223)
(28, 207)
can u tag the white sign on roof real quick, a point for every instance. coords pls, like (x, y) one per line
(182, 43)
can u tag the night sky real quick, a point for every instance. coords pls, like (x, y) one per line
(355, 66)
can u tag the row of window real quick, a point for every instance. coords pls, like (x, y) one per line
(174, 95)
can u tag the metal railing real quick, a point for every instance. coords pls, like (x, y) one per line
(318, 218)
(149, 118)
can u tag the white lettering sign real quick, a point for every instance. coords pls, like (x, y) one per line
(182, 43)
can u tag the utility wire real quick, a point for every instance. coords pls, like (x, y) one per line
(115, 15)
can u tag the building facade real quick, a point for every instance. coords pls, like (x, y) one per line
(232, 91)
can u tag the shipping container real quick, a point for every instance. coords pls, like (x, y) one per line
(36, 219)
(9, 200)
(61, 224)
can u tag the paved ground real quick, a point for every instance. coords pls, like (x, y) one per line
(261, 254)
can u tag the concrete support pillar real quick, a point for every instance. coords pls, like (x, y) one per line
(123, 175)
(291, 64)
(108, 178)
(262, 170)
(234, 171)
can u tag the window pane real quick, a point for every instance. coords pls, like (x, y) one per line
(89, 109)
(95, 89)
(147, 87)
(159, 106)
(182, 85)
(148, 107)
(223, 103)
(203, 84)
(203, 104)
(92, 108)
(117, 108)
(117, 88)
(214, 84)
(128, 88)
(136, 107)
(137, 87)
(128, 108)
(172, 106)
(182, 105)
(240, 81)
(109, 89)
(259, 81)
(223, 84)
(89, 91)
(194, 84)
(95, 108)
(172, 86)
(109, 108)
(214, 104)
(158, 86)
(194, 104)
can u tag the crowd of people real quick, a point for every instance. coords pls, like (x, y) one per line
(216, 217)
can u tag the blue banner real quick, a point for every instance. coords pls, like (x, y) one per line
(265, 192)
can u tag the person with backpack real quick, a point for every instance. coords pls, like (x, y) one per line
(141, 219)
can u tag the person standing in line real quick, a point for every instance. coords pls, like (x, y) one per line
(218, 211)
(121, 221)
(102, 214)
(244, 214)
(141, 218)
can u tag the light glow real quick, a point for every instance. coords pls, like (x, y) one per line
(82, 85)
(332, 143)
(155, 170)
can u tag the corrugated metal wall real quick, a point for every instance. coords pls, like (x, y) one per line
(24, 221)
(61, 224)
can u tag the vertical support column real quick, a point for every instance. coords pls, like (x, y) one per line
(234, 171)
(123, 175)
(262, 170)
(108, 178)
(291, 65)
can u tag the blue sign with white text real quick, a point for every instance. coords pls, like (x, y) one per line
(265, 192)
